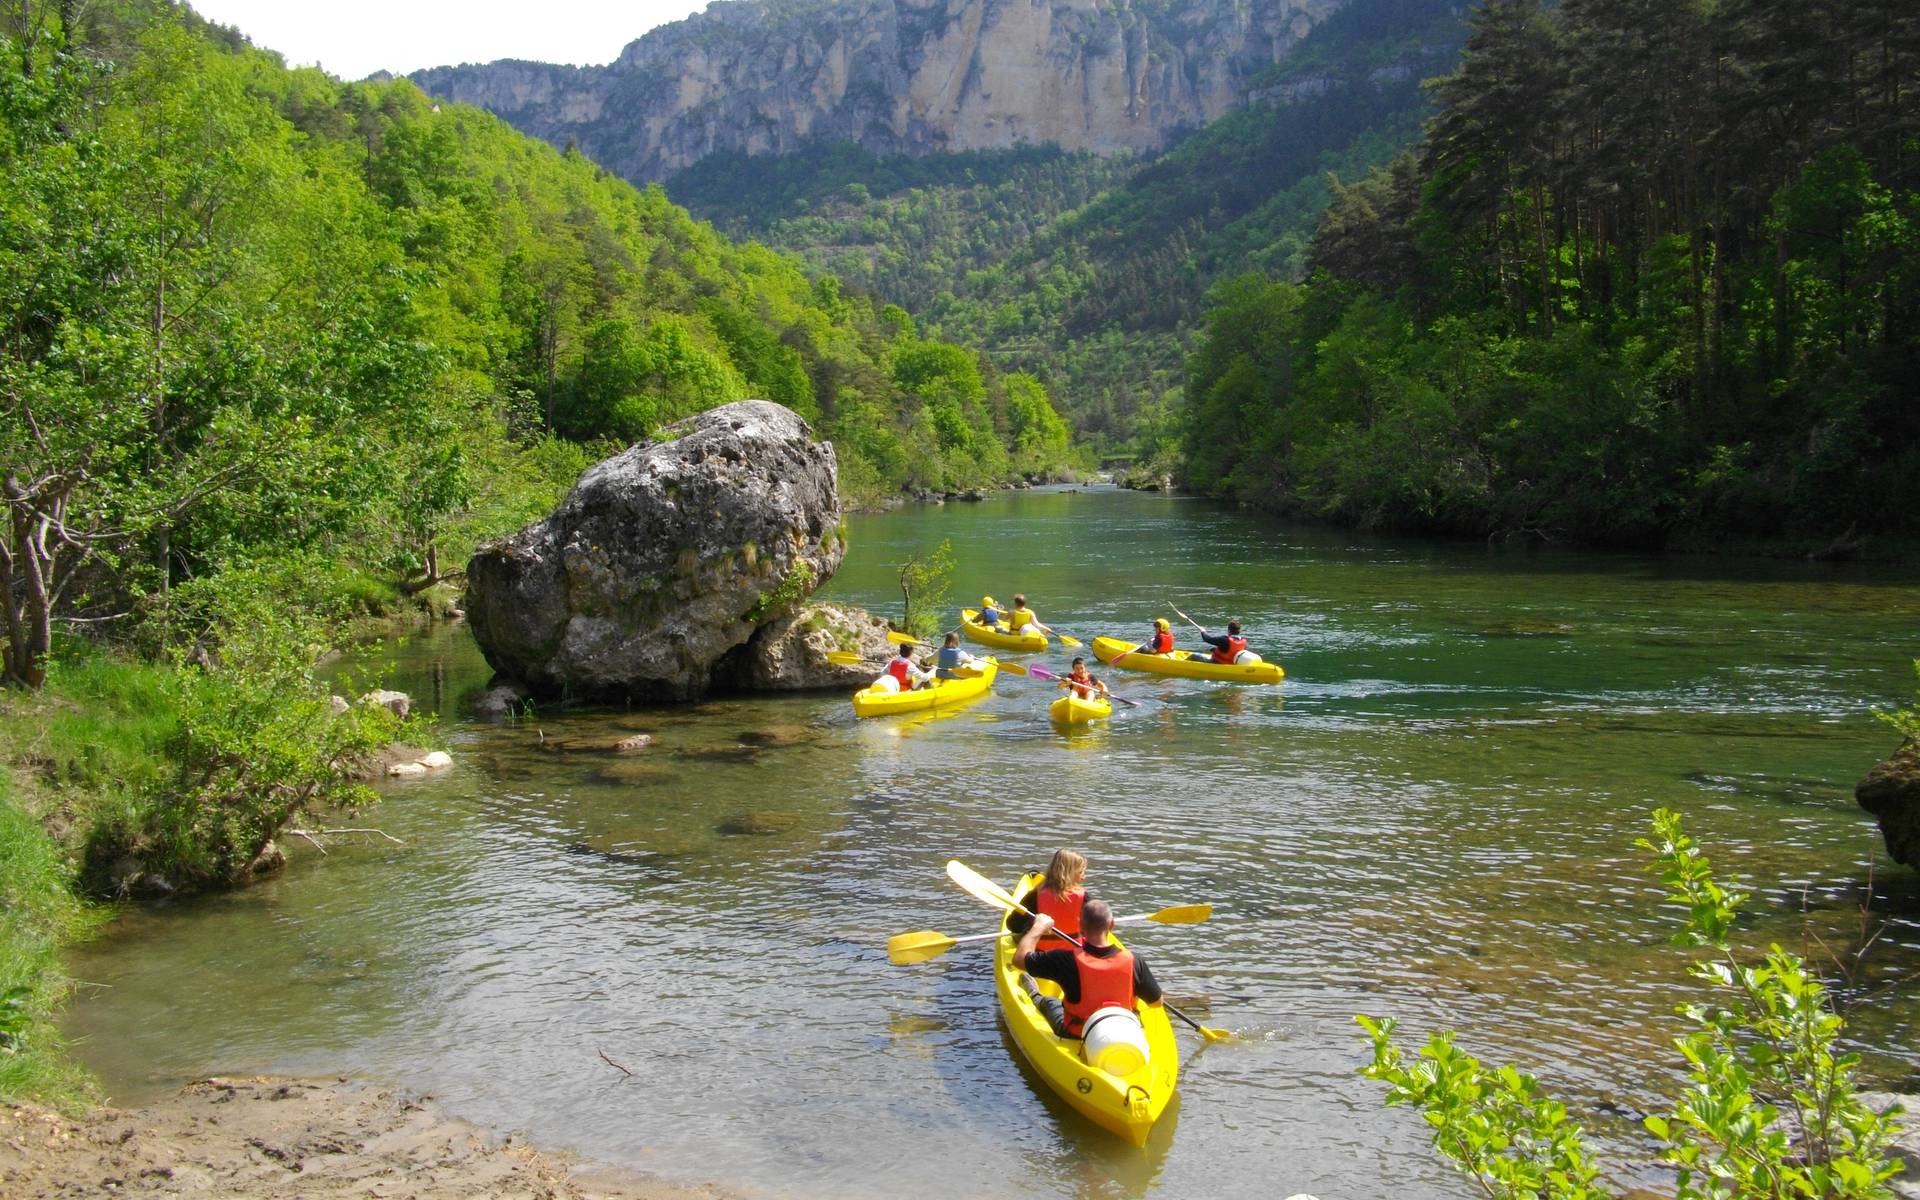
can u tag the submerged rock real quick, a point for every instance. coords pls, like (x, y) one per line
(790, 654)
(662, 559)
(757, 824)
(1891, 792)
(611, 743)
(1526, 627)
(500, 701)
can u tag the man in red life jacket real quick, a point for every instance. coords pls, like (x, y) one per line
(1228, 648)
(1093, 975)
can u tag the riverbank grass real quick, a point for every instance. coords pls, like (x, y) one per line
(38, 914)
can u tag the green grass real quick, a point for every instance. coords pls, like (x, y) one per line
(38, 913)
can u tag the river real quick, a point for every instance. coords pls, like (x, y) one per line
(1432, 818)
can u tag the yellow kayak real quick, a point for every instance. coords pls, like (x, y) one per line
(987, 635)
(1184, 663)
(1073, 710)
(871, 701)
(1126, 1105)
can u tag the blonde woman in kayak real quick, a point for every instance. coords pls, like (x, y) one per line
(1061, 894)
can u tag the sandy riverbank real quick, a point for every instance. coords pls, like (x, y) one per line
(292, 1139)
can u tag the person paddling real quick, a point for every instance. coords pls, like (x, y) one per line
(1162, 640)
(1229, 647)
(903, 673)
(951, 659)
(1059, 895)
(1084, 685)
(1097, 974)
(1022, 619)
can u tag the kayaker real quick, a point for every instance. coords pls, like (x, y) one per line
(1022, 621)
(903, 672)
(1059, 895)
(990, 614)
(1162, 640)
(1230, 647)
(1083, 684)
(951, 659)
(1093, 975)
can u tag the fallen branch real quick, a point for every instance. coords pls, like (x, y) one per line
(376, 832)
(316, 842)
(616, 1066)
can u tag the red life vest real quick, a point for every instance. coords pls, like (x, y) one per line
(1064, 909)
(898, 669)
(1084, 690)
(1162, 642)
(1235, 645)
(1103, 982)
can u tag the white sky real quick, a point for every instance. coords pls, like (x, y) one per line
(355, 38)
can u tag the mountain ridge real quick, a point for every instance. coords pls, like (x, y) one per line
(896, 77)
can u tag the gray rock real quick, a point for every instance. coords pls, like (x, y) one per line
(1891, 792)
(398, 703)
(662, 559)
(337, 705)
(500, 702)
(790, 654)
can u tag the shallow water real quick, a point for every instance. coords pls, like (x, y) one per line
(1432, 818)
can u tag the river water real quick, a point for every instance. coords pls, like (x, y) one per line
(1433, 818)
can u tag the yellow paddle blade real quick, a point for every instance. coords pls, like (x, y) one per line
(1074, 642)
(980, 887)
(844, 658)
(1013, 668)
(918, 946)
(1182, 914)
(903, 639)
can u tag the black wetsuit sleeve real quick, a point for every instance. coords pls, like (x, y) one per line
(1145, 987)
(1217, 641)
(1018, 923)
(1057, 965)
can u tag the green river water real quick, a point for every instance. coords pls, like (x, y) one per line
(1432, 818)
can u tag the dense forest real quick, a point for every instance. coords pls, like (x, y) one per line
(1091, 273)
(276, 352)
(1651, 276)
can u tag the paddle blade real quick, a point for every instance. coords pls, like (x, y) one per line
(1182, 914)
(844, 658)
(974, 884)
(1013, 668)
(1040, 672)
(904, 949)
(1073, 642)
(902, 639)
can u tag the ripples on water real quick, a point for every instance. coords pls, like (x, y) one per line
(1432, 819)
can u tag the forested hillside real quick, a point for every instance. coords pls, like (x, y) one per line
(1091, 272)
(1653, 273)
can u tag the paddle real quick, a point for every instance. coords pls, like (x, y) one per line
(1184, 617)
(847, 658)
(1040, 672)
(923, 944)
(980, 887)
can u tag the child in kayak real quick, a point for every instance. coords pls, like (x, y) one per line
(952, 659)
(990, 614)
(1084, 685)
(902, 675)
(1162, 640)
(1059, 895)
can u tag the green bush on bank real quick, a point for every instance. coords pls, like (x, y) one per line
(37, 914)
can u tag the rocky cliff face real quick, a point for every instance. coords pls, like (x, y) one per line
(896, 76)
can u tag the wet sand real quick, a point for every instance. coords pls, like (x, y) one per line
(297, 1139)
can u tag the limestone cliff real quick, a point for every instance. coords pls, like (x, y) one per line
(896, 76)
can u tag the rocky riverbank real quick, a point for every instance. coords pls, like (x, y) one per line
(297, 1140)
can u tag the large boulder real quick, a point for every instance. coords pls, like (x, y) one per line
(662, 559)
(1891, 792)
(790, 654)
